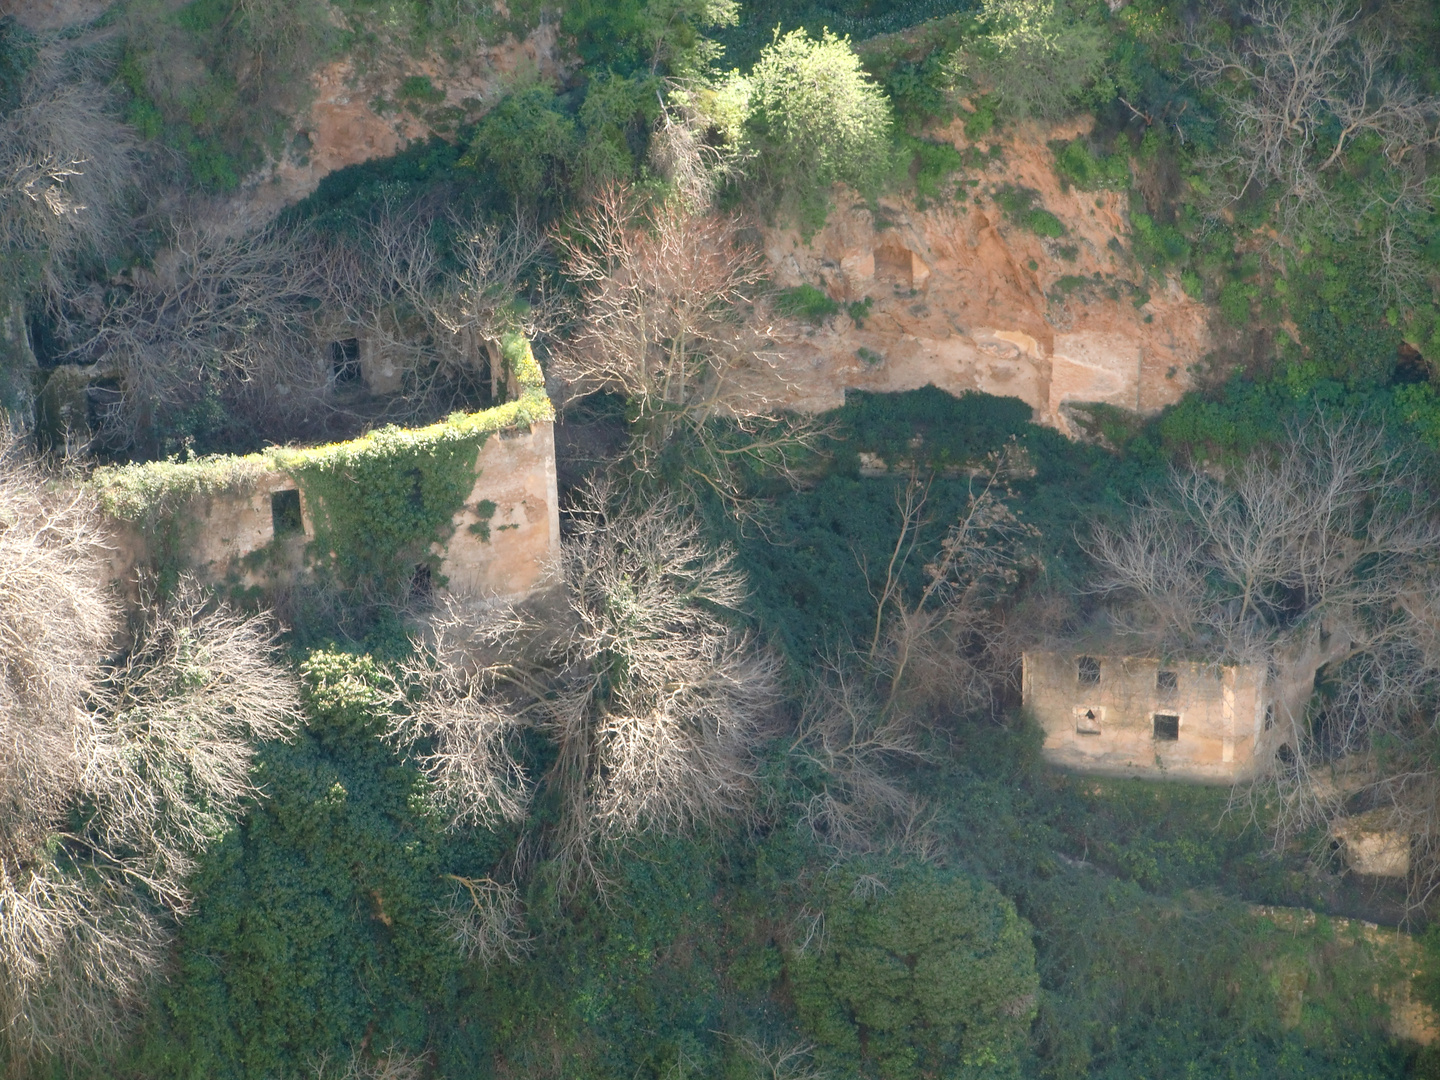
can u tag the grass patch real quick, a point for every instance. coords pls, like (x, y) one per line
(806, 302)
(1019, 205)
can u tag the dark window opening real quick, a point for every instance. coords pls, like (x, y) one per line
(1269, 715)
(1167, 727)
(1087, 670)
(421, 584)
(104, 404)
(1087, 722)
(1285, 754)
(285, 513)
(1167, 682)
(345, 360)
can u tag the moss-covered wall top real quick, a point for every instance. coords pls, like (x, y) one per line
(378, 503)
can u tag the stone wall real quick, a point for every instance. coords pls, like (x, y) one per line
(227, 535)
(1183, 720)
(247, 522)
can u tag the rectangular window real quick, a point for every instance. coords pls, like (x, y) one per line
(345, 360)
(1167, 682)
(285, 513)
(1087, 719)
(1087, 671)
(1167, 727)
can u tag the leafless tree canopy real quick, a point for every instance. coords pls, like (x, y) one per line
(241, 317)
(389, 283)
(1301, 85)
(652, 700)
(217, 309)
(943, 651)
(155, 746)
(66, 164)
(1322, 556)
(673, 318)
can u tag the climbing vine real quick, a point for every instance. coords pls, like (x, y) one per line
(381, 504)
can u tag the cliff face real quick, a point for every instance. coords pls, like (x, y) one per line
(358, 113)
(964, 298)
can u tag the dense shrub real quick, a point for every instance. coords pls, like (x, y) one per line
(814, 118)
(935, 976)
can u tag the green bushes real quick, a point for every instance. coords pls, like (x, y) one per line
(927, 164)
(1038, 56)
(319, 923)
(1081, 168)
(525, 142)
(213, 79)
(935, 976)
(806, 302)
(1018, 203)
(813, 119)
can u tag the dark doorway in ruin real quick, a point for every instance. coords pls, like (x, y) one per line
(422, 584)
(1167, 727)
(285, 515)
(345, 361)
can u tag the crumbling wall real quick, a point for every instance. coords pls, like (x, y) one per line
(1110, 727)
(232, 522)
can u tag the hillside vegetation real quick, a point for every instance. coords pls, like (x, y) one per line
(749, 793)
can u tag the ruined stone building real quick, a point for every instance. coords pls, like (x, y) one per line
(1135, 716)
(248, 522)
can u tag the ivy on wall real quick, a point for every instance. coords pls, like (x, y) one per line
(380, 503)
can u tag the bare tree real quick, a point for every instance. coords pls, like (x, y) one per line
(673, 318)
(67, 166)
(237, 316)
(1300, 85)
(941, 649)
(390, 1064)
(939, 646)
(444, 328)
(652, 700)
(113, 772)
(218, 311)
(777, 1060)
(65, 160)
(1323, 554)
(487, 921)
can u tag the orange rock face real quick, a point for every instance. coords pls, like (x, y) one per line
(965, 299)
(346, 123)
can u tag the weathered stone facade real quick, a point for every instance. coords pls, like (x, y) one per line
(230, 537)
(247, 522)
(1134, 716)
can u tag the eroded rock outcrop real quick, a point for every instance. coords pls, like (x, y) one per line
(357, 114)
(965, 299)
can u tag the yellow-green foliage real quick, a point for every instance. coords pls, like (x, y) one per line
(140, 491)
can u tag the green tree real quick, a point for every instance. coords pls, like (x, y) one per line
(813, 118)
(933, 977)
(1037, 58)
(526, 142)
